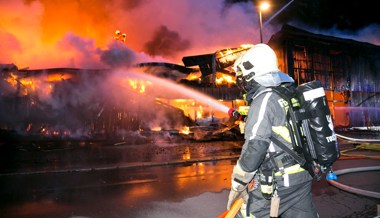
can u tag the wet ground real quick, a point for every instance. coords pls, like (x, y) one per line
(164, 179)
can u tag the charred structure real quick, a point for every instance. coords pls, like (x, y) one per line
(68, 102)
(349, 71)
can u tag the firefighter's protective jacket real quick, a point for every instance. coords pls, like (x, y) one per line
(267, 118)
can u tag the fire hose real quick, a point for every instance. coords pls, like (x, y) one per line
(352, 189)
(237, 204)
(350, 139)
(366, 145)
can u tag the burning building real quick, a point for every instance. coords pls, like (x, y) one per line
(162, 96)
(349, 71)
(80, 103)
(105, 103)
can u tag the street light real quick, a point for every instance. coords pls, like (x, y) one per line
(263, 6)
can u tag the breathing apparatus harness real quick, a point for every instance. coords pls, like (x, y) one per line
(310, 126)
(311, 132)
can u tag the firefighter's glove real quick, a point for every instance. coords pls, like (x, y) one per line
(235, 114)
(237, 191)
(239, 183)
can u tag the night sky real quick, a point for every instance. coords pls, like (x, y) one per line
(340, 14)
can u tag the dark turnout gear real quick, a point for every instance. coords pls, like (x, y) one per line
(280, 176)
(296, 200)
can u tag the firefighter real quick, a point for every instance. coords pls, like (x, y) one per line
(283, 186)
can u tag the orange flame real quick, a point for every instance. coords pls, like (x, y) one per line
(156, 128)
(222, 79)
(184, 130)
(194, 76)
(26, 86)
(139, 85)
(200, 112)
(58, 77)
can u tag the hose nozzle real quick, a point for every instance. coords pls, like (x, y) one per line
(235, 114)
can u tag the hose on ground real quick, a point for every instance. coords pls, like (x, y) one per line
(352, 189)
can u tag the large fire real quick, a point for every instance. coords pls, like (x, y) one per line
(139, 85)
(100, 113)
(225, 79)
(30, 85)
(46, 34)
(81, 35)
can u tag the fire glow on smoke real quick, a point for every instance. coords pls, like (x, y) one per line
(110, 99)
(52, 33)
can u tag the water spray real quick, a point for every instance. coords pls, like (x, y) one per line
(177, 88)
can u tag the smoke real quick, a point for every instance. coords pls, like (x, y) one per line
(118, 55)
(166, 43)
(368, 34)
(106, 100)
(80, 34)
(52, 33)
(81, 52)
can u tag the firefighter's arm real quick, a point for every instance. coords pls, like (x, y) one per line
(253, 154)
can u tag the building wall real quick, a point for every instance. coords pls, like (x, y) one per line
(348, 70)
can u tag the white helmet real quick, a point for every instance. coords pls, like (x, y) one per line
(260, 63)
(235, 66)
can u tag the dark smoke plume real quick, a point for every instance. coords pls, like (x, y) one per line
(166, 43)
(118, 55)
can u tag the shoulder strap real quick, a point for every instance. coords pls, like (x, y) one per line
(292, 153)
(295, 133)
(285, 92)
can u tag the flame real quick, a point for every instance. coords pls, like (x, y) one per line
(200, 112)
(58, 77)
(27, 86)
(12, 79)
(156, 128)
(139, 85)
(184, 130)
(226, 57)
(222, 79)
(59, 40)
(194, 76)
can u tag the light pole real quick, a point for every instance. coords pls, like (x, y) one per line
(262, 7)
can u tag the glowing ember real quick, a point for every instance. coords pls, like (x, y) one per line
(58, 77)
(12, 79)
(194, 76)
(226, 57)
(156, 128)
(222, 79)
(27, 86)
(139, 85)
(184, 130)
(200, 112)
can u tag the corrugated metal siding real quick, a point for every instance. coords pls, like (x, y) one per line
(343, 66)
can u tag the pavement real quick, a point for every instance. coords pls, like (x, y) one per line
(72, 183)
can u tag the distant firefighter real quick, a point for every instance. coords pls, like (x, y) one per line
(120, 36)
